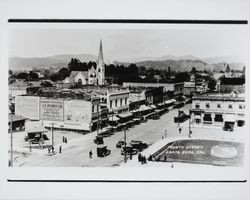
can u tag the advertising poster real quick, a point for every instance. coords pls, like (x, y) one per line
(51, 109)
(27, 106)
(77, 111)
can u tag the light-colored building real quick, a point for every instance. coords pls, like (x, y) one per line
(118, 101)
(61, 113)
(166, 86)
(93, 75)
(217, 110)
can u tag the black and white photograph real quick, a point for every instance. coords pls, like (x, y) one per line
(137, 96)
(105, 103)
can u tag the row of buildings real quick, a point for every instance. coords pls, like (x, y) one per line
(95, 104)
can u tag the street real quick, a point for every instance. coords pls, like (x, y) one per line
(75, 153)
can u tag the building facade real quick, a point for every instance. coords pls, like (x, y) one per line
(118, 101)
(93, 75)
(62, 113)
(216, 110)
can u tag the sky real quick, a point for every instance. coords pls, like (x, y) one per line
(128, 43)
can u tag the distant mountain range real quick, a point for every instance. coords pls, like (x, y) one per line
(176, 63)
(57, 61)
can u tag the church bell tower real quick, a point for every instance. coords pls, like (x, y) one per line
(100, 67)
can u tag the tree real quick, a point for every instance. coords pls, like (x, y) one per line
(46, 84)
(22, 75)
(212, 84)
(193, 70)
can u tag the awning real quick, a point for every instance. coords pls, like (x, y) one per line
(197, 116)
(114, 118)
(240, 117)
(125, 115)
(36, 130)
(144, 107)
(170, 101)
(230, 118)
(152, 106)
(16, 118)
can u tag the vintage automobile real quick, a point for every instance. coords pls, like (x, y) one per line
(98, 140)
(36, 139)
(228, 126)
(103, 151)
(129, 150)
(139, 145)
(178, 105)
(182, 117)
(156, 117)
(120, 143)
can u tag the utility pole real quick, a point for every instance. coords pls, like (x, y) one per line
(97, 128)
(11, 142)
(125, 144)
(52, 132)
(138, 104)
(189, 127)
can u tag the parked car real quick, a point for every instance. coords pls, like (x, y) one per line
(98, 140)
(228, 127)
(120, 143)
(179, 105)
(139, 145)
(129, 150)
(182, 117)
(35, 139)
(103, 151)
(156, 117)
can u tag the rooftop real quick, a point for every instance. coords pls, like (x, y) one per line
(221, 97)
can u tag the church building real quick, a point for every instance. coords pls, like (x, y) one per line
(94, 75)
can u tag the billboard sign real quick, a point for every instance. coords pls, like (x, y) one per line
(51, 109)
(27, 106)
(77, 111)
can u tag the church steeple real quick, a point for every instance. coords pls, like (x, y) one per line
(100, 69)
(100, 56)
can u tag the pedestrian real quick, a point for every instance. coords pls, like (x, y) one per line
(130, 155)
(48, 150)
(90, 154)
(165, 158)
(63, 139)
(60, 149)
(150, 158)
(180, 130)
(139, 157)
(52, 148)
(30, 147)
(145, 160)
(172, 166)
(66, 140)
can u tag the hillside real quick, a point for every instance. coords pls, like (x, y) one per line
(57, 61)
(182, 63)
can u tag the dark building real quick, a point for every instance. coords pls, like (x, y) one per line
(232, 84)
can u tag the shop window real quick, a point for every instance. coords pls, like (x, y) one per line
(197, 121)
(207, 118)
(218, 118)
